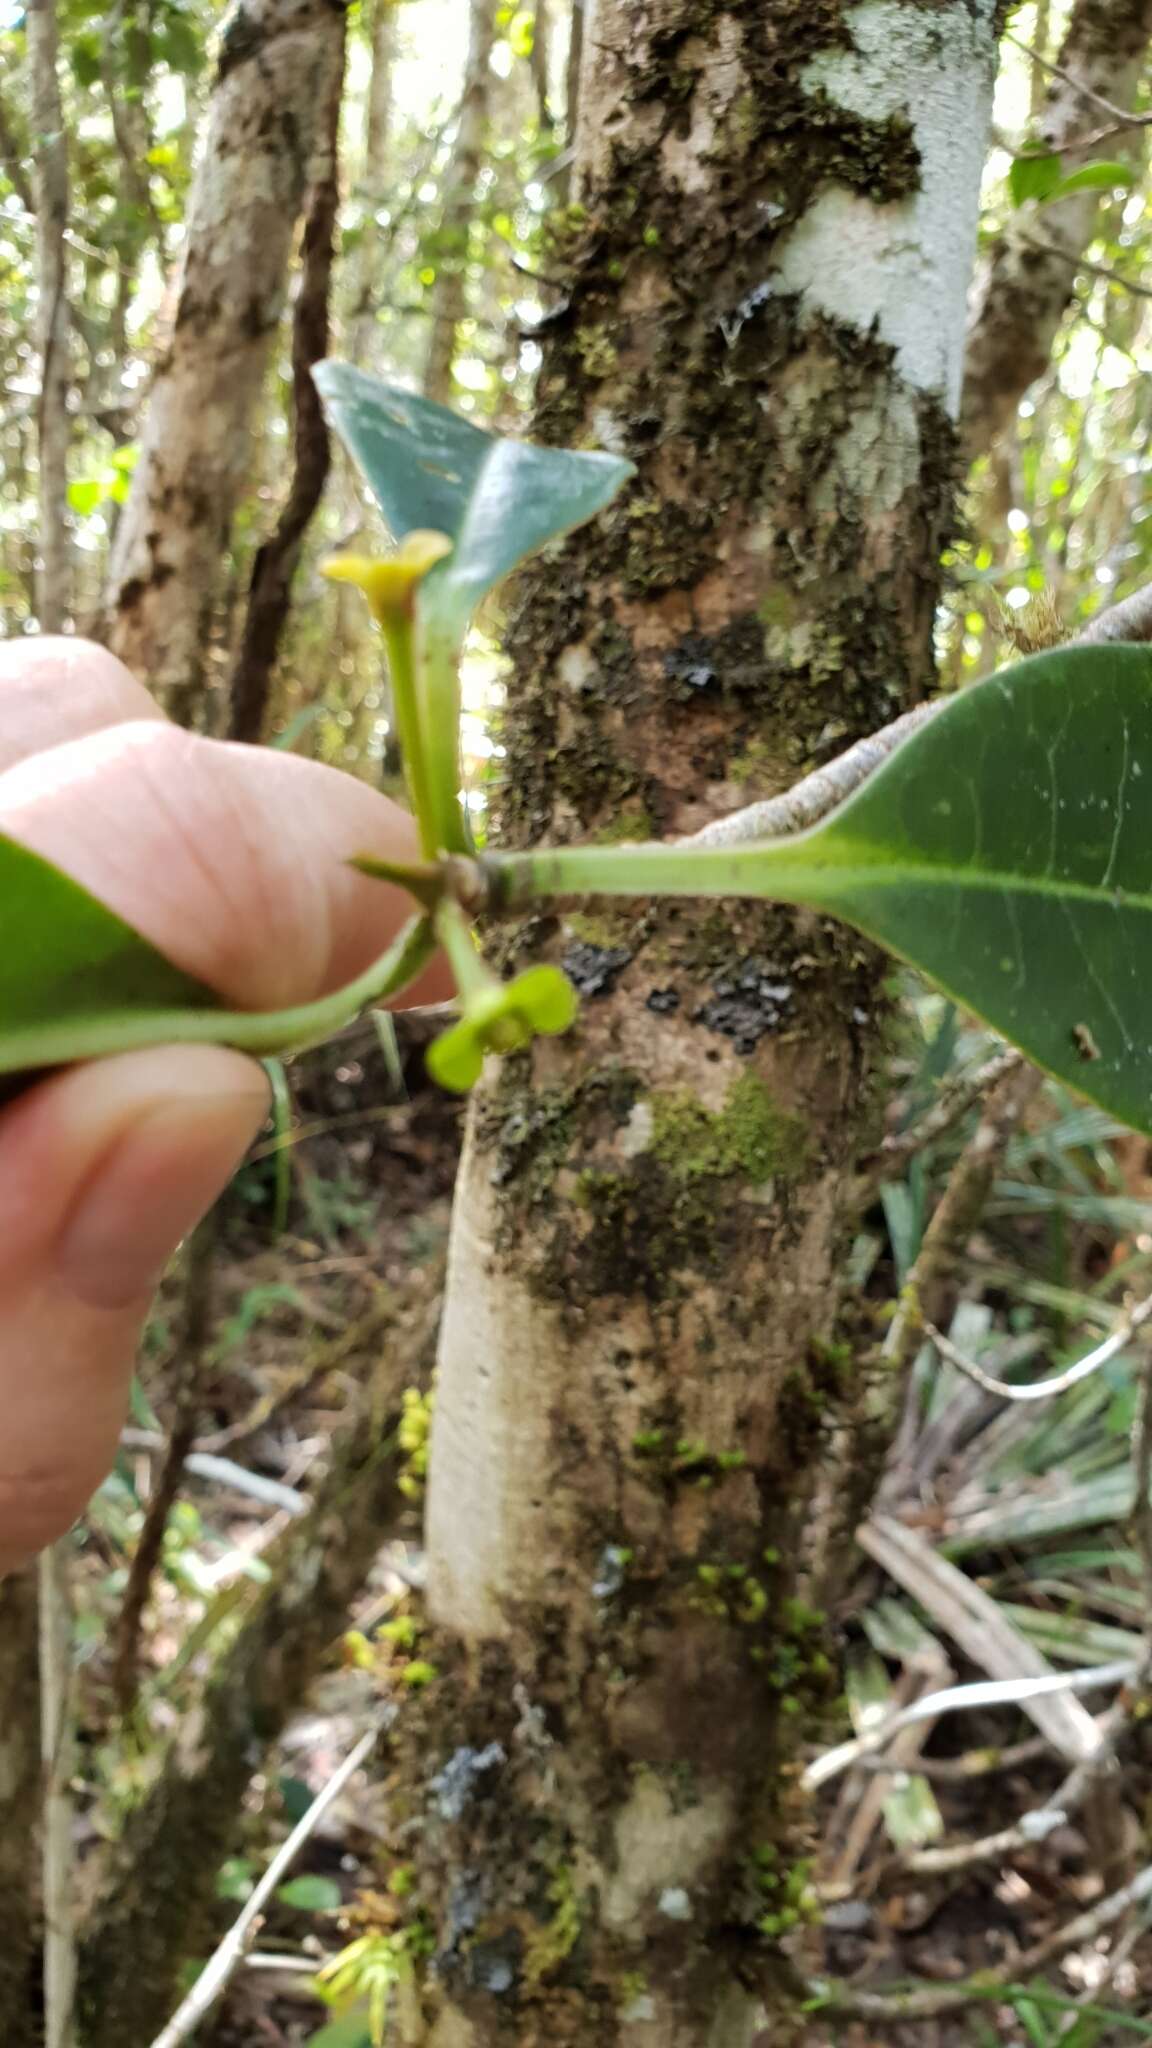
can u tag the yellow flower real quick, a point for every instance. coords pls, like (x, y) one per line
(390, 585)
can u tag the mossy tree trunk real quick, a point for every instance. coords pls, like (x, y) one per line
(636, 1423)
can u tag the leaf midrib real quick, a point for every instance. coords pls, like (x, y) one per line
(883, 873)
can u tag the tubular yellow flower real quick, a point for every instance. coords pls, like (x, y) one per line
(390, 585)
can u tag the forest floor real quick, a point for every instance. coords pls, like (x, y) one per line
(301, 1321)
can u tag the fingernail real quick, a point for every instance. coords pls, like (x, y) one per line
(151, 1189)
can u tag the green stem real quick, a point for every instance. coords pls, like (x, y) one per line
(471, 972)
(399, 638)
(773, 869)
(439, 688)
(252, 1031)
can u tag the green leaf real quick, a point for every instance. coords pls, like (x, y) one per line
(311, 1894)
(352, 2031)
(497, 500)
(76, 981)
(65, 958)
(1005, 849)
(235, 1880)
(1033, 177)
(85, 495)
(1101, 177)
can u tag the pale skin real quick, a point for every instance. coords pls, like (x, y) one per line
(233, 861)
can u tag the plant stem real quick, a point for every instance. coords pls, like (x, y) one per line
(470, 971)
(400, 641)
(677, 869)
(248, 1030)
(440, 702)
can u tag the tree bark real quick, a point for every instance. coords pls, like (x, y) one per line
(20, 1786)
(637, 1391)
(449, 300)
(50, 201)
(1029, 280)
(270, 589)
(362, 324)
(266, 127)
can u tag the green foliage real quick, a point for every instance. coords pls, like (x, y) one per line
(1002, 849)
(497, 500)
(1033, 177)
(310, 1894)
(76, 981)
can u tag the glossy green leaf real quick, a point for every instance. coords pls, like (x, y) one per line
(64, 955)
(77, 982)
(1033, 177)
(1100, 177)
(1005, 849)
(497, 500)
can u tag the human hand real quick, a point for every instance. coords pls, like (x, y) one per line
(233, 862)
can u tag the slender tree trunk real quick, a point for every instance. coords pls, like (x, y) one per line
(362, 325)
(266, 126)
(637, 1393)
(270, 589)
(1029, 280)
(572, 71)
(50, 199)
(449, 302)
(541, 64)
(20, 1784)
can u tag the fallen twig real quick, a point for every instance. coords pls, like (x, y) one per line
(56, 1738)
(1057, 1383)
(222, 1965)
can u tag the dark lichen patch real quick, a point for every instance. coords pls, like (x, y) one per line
(752, 1000)
(594, 970)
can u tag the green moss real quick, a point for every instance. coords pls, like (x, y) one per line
(597, 353)
(631, 823)
(545, 1951)
(751, 1135)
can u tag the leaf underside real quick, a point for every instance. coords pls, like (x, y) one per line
(497, 500)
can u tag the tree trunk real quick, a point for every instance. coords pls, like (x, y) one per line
(449, 303)
(1029, 280)
(50, 199)
(277, 558)
(266, 125)
(20, 1784)
(638, 1393)
(362, 325)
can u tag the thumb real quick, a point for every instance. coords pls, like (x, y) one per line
(103, 1169)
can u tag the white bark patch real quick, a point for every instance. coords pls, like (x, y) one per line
(660, 1851)
(490, 1427)
(903, 268)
